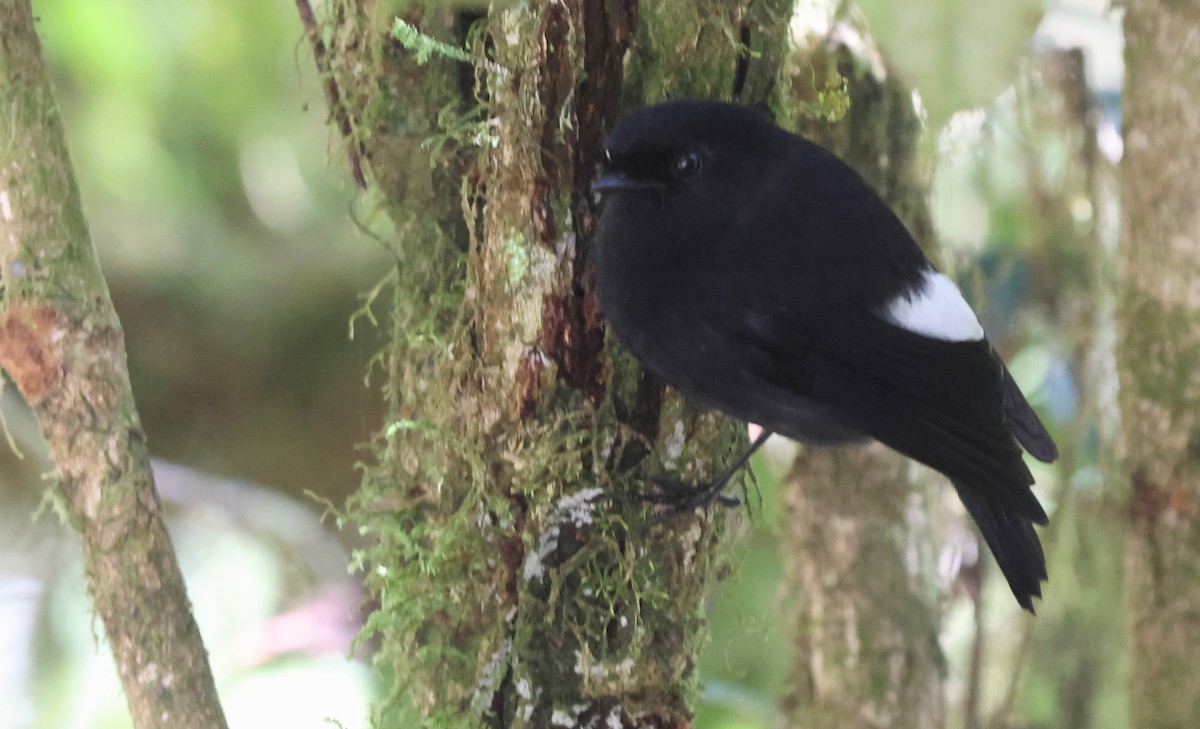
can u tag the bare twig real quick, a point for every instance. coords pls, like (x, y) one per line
(337, 109)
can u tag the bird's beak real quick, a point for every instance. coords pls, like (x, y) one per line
(616, 181)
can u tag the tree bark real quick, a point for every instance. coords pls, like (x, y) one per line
(1159, 357)
(856, 538)
(62, 345)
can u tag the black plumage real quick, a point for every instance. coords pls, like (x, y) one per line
(757, 273)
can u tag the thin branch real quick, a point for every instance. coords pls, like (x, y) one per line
(337, 109)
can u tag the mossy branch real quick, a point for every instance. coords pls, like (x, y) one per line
(62, 345)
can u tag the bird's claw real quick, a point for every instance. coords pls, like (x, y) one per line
(682, 498)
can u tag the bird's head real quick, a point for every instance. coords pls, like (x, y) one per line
(671, 146)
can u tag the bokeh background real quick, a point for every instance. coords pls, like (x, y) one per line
(238, 253)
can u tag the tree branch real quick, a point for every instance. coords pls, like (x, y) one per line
(61, 343)
(333, 96)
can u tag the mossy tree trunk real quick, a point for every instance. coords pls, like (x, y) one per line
(1159, 357)
(63, 347)
(514, 589)
(857, 537)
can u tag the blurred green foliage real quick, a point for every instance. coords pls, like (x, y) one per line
(199, 138)
(958, 53)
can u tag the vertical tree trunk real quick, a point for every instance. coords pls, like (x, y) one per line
(514, 589)
(63, 347)
(1159, 357)
(856, 540)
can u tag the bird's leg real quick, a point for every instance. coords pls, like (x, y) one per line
(683, 497)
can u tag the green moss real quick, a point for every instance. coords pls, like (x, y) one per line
(516, 249)
(425, 46)
(1168, 373)
(833, 99)
(704, 33)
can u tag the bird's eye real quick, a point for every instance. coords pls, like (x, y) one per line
(687, 164)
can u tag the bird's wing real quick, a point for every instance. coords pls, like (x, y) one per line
(1026, 425)
(940, 402)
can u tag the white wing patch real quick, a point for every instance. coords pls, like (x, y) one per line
(936, 309)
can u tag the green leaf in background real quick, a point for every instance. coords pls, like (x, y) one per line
(958, 53)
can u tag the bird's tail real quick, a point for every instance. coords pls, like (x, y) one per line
(1012, 540)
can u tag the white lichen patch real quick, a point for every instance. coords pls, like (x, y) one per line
(487, 134)
(524, 689)
(585, 664)
(533, 567)
(673, 447)
(624, 669)
(149, 673)
(606, 446)
(612, 676)
(490, 677)
(613, 720)
(574, 509)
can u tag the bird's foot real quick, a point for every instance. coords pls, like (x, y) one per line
(679, 498)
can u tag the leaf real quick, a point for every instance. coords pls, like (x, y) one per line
(958, 54)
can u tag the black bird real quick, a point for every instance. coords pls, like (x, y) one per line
(757, 273)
